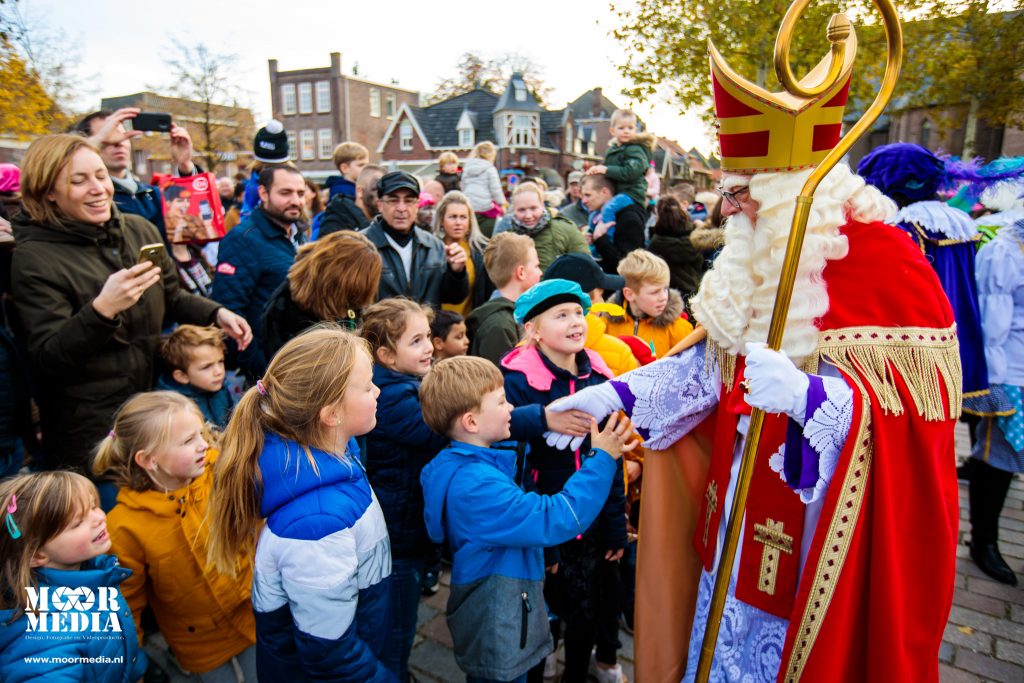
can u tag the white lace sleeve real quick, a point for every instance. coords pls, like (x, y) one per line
(673, 395)
(825, 432)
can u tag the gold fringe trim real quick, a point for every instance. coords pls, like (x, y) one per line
(836, 545)
(925, 358)
(726, 362)
(943, 242)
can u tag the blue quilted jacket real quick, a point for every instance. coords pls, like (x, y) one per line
(320, 584)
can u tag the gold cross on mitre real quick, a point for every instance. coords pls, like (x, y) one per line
(712, 498)
(771, 535)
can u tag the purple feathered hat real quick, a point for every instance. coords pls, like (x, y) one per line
(911, 173)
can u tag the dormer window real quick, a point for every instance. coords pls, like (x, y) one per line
(466, 137)
(467, 133)
(520, 90)
(522, 130)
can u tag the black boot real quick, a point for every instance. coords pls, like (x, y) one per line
(987, 494)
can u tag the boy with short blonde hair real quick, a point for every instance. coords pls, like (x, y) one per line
(497, 532)
(194, 357)
(448, 172)
(652, 311)
(512, 264)
(343, 212)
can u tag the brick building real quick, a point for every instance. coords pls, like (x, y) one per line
(530, 139)
(321, 107)
(221, 135)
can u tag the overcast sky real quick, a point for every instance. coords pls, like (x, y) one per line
(123, 45)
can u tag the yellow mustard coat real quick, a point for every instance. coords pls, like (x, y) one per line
(205, 617)
(663, 332)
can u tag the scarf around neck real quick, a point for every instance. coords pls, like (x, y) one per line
(517, 227)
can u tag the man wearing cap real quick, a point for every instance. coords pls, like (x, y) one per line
(254, 258)
(847, 549)
(630, 223)
(416, 264)
(573, 208)
(105, 129)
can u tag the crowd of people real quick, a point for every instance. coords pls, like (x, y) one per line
(268, 447)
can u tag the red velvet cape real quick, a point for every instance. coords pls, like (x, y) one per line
(877, 585)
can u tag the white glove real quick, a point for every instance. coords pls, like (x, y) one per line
(774, 384)
(560, 441)
(600, 401)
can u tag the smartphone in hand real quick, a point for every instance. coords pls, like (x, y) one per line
(152, 253)
(150, 121)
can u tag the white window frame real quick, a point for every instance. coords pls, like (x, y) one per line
(293, 145)
(305, 98)
(288, 101)
(466, 137)
(568, 138)
(405, 136)
(390, 104)
(325, 143)
(323, 97)
(375, 102)
(307, 145)
(521, 130)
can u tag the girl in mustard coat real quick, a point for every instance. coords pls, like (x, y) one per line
(159, 455)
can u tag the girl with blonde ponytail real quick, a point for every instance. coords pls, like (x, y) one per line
(289, 490)
(158, 453)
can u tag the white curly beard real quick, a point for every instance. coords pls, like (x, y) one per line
(735, 299)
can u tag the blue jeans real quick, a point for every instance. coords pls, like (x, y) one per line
(614, 205)
(474, 679)
(406, 578)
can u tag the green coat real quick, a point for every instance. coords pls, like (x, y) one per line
(560, 237)
(84, 365)
(627, 165)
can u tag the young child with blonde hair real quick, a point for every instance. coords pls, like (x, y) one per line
(62, 616)
(497, 530)
(158, 453)
(652, 310)
(398, 331)
(289, 487)
(481, 183)
(551, 363)
(449, 174)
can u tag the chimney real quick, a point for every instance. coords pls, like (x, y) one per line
(272, 63)
(335, 63)
(596, 103)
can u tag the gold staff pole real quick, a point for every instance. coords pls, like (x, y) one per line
(838, 31)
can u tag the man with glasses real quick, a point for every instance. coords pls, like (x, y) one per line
(847, 550)
(416, 264)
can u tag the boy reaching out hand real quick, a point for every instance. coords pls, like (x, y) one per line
(497, 531)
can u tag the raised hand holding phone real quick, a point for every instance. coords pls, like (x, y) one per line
(123, 289)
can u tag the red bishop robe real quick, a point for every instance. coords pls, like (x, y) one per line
(876, 589)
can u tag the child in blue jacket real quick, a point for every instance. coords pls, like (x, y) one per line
(496, 530)
(290, 494)
(398, 331)
(550, 364)
(62, 615)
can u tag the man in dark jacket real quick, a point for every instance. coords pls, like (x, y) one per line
(254, 258)
(106, 131)
(629, 223)
(416, 264)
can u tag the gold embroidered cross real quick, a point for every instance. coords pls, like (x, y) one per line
(712, 498)
(771, 535)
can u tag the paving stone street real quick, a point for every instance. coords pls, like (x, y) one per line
(984, 640)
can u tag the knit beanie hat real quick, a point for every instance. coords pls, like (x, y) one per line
(271, 144)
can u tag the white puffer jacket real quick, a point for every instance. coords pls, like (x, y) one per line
(480, 182)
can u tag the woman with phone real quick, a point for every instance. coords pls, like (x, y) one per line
(93, 287)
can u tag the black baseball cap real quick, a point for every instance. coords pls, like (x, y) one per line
(391, 183)
(583, 270)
